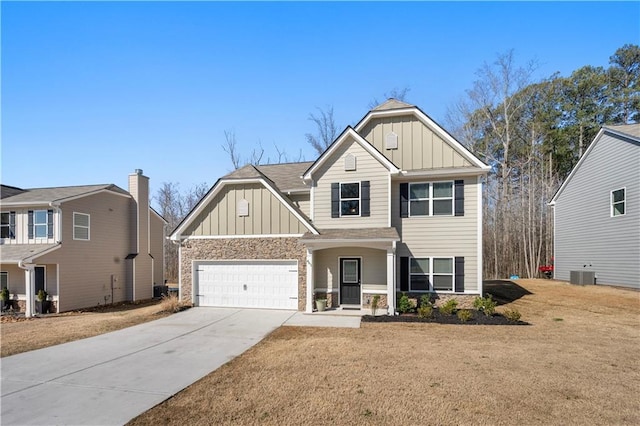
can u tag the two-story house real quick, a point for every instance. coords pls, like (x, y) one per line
(394, 204)
(84, 245)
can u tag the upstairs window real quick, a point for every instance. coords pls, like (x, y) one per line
(350, 199)
(618, 202)
(40, 224)
(431, 199)
(81, 226)
(8, 225)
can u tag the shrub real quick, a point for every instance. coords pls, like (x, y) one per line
(512, 315)
(425, 310)
(404, 304)
(42, 295)
(170, 303)
(425, 299)
(374, 304)
(4, 294)
(464, 315)
(485, 305)
(449, 308)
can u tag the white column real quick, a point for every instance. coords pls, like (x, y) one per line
(391, 280)
(30, 287)
(309, 307)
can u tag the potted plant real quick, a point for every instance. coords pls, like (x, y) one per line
(321, 304)
(5, 301)
(42, 305)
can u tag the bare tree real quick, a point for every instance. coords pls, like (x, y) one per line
(326, 130)
(229, 147)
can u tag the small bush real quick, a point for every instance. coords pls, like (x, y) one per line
(425, 299)
(425, 310)
(374, 304)
(449, 308)
(512, 315)
(485, 305)
(170, 303)
(464, 315)
(404, 304)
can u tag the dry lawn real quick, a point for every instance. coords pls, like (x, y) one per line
(577, 363)
(37, 333)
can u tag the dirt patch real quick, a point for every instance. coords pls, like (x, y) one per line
(577, 363)
(19, 334)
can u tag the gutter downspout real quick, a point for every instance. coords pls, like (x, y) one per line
(30, 286)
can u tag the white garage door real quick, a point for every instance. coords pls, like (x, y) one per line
(248, 284)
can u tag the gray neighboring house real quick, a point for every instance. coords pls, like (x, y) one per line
(394, 204)
(597, 211)
(84, 245)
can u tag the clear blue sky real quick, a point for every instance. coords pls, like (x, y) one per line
(92, 91)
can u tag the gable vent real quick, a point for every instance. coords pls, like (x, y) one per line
(243, 208)
(391, 141)
(349, 162)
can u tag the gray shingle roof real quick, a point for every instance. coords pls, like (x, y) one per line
(629, 129)
(285, 176)
(9, 191)
(48, 195)
(390, 234)
(392, 103)
(12, 253)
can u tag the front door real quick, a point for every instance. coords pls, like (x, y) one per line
(39, 278)
(350, 281)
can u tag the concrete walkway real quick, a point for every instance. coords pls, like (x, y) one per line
(111, 378)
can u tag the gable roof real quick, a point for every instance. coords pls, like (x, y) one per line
(625, 132)
(393, 108)
(9, 191)
(344, 136)
(246, 174)
(58, 194)
(286, 176)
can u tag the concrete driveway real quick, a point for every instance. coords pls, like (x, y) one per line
(110, 379)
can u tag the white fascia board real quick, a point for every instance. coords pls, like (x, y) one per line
(577, 166)
(444, 172)
(222, 237)
(349, 132)
(461, 149)
(176, 235)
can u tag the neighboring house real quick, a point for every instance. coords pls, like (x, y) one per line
(84, 245)
(597, 211)
(394, 204)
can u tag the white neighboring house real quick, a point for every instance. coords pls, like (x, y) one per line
(597, 211)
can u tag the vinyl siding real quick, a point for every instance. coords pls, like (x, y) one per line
(302, 201)
(267, 215)
(86, 267)
(586, 234)
(326, 267)
(432, 236)
(419, 147)
(367, 168)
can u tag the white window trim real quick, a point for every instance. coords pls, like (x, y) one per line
(359, 199)
(431, 198)
(431, 274)
(88, 227)
(623, 202)
(36, 224)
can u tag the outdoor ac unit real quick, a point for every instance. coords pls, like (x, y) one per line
(583, 277)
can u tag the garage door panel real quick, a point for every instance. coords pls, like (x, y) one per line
(248, 284)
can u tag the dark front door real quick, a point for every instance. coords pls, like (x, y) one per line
(350, 281)
(39, 278)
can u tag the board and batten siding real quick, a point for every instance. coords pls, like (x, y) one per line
(585, 232)
(302, 201)
(419, 147)
(87, 267)
(433, 236)
(367, 169)
(22, 226)
(326, 267)
(267, 214)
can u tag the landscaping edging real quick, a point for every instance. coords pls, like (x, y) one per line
(439, 318)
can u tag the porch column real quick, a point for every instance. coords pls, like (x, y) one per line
(310, 284)
(30, 287)
(391, 279)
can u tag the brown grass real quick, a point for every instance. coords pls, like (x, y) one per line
(37, 333)
(577, 363)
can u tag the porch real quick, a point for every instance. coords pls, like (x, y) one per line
(352, 269)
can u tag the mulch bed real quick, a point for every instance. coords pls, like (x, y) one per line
(478, 318)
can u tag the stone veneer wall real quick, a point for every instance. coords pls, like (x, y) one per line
(243, 248)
